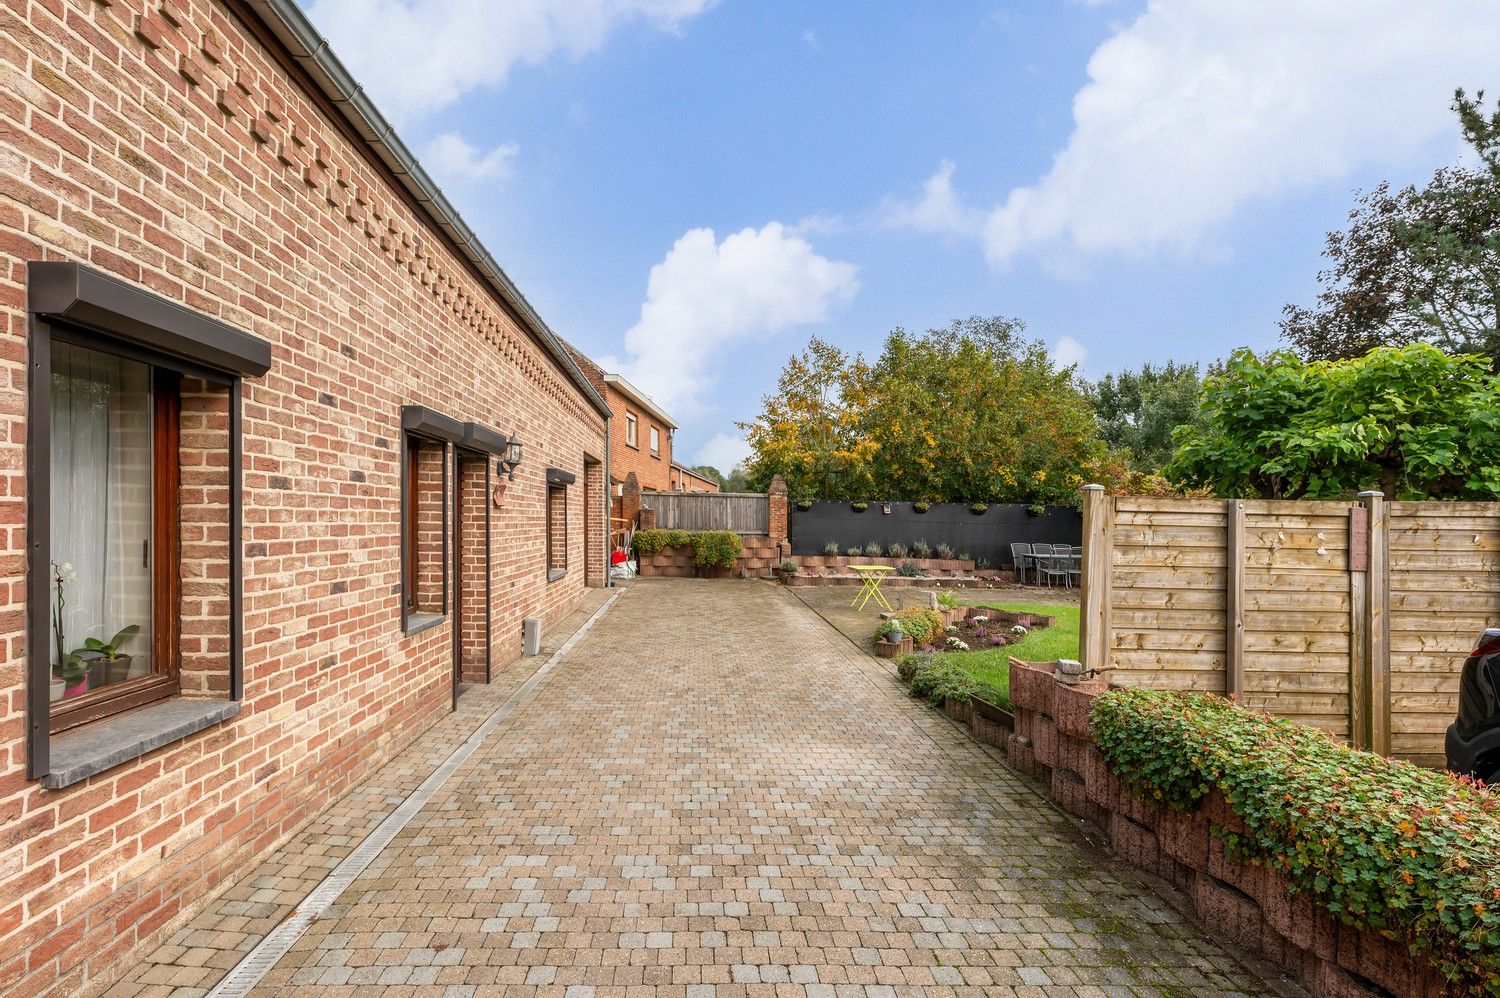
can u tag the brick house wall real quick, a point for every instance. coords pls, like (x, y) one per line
(168, 145)
(653, 471)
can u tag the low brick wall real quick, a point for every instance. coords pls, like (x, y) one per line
(759, 556)
(1248, 904)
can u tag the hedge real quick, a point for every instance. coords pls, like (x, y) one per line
(1385, 845)
(711, 548)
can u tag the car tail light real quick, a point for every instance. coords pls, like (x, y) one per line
(1488, 642)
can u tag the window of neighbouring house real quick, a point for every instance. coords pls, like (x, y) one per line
(655, 442)
(114, 538)
(557, 530)
(424, 487)
(632, 433)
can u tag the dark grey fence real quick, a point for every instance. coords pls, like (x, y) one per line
(986, 535)
(743, 513)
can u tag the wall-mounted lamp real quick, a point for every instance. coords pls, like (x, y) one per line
(508, 461)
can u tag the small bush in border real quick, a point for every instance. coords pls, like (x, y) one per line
(1385, 845)
(855, 552)
(908, 569)
(873, 550)
(896, 550)
(945, 551)
(921, 548)
(831, 548)
(921, 623)
(947, 600)
(890, 629)
(711, 548)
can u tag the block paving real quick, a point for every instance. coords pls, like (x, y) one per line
(714, 794)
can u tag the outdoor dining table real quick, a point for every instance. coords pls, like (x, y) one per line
(870, 578)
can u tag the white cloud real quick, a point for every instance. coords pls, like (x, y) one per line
(451, 158)
(419, 56)
(937, 212)
(1067, 351)
(706, 293)
(1194, 111)
(723, 451)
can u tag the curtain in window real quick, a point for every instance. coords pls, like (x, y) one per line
(101, 501)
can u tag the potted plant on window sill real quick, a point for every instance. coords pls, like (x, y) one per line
(74, 674)
(106, 664)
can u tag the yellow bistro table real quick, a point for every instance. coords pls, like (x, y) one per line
(870, 578)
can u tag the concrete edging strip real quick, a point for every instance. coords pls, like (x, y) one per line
(246, 974)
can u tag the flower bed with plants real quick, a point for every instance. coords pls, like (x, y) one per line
(711, 549)
(1386, 846)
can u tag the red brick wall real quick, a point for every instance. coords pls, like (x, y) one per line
(203, 492)
(473, 514)
(654, 473)
(176, 154)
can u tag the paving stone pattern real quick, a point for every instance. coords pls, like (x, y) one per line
(716, 794)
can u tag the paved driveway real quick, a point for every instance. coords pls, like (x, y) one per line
(714, 793)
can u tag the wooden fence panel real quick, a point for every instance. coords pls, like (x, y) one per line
(741, 512)
(1352, 616)
(1444, 591)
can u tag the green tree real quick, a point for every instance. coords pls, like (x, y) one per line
(709, 472)
(973, 412)
(1412, 421)
(1417, 264)
(811, 431)
(1138, 410)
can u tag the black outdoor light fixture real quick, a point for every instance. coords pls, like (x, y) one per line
(506, 465)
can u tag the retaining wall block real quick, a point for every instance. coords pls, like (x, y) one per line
(1235, 914)
(1071, 706)
(1031, 686)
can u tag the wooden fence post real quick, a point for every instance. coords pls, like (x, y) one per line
(1234, 598)
(1371, 678)
(1098, 561)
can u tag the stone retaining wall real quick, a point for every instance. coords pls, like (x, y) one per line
(759, 555)
(1249, 904)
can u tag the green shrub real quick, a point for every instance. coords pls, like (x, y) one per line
(854, 552)
(873, 550)
(908, 667)
(921, 623)
(859, 507)
(896, 550)
(789, 566)
(947, 600)
(711, 548)
(831, 548)
(942, 681)
(921, 548)
(1383, 844)
(649, 542)
(921, 507)
(890, 628)
(908, 569)
(977, 507)
(945, 551)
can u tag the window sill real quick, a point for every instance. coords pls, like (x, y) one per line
(416, 623)
(553, 574)
(89, 750)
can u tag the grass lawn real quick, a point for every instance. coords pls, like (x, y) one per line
(1047, 644)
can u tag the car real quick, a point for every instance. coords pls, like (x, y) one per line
(1473, 744)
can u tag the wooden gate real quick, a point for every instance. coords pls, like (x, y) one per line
(741, 512)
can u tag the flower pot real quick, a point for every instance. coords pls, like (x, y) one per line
(106, 671)
(58, 687)
(76, 689)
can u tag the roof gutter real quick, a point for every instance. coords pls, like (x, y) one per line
(311, 51)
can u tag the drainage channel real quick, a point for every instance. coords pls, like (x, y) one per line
(268, 952)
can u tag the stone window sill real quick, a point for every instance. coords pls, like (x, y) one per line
(416, 623)
(89, 750)
(553, 574)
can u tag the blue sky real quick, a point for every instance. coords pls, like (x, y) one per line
(689, 189)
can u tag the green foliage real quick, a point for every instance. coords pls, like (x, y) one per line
(921, 548)
(947, 600)
(789, 566)
(908, 569)
(908, 667)
(944, 551)
(890, 628)
(859, 507)
(1411, 421)
(921, 623)
(1138, 410)
(873, 549)
(1421, 264)
(1383, 844)
(804, 504)
(109, 650)
(831, 548)
(711, 548)
(896, 550)
(921, 507)
(978, 507)
(974, 412)
(854, 551)
(942, 680)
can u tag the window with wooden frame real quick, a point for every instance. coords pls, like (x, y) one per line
(113, 550)
(632, 432)
(557, 530)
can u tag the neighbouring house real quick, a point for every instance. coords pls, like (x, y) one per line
(688, 480)
(285, 457)
(641, 434)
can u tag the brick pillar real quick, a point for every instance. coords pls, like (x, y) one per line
(630, 499)
(778, 525)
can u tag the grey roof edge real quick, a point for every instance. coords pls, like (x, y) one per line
(312, 52)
